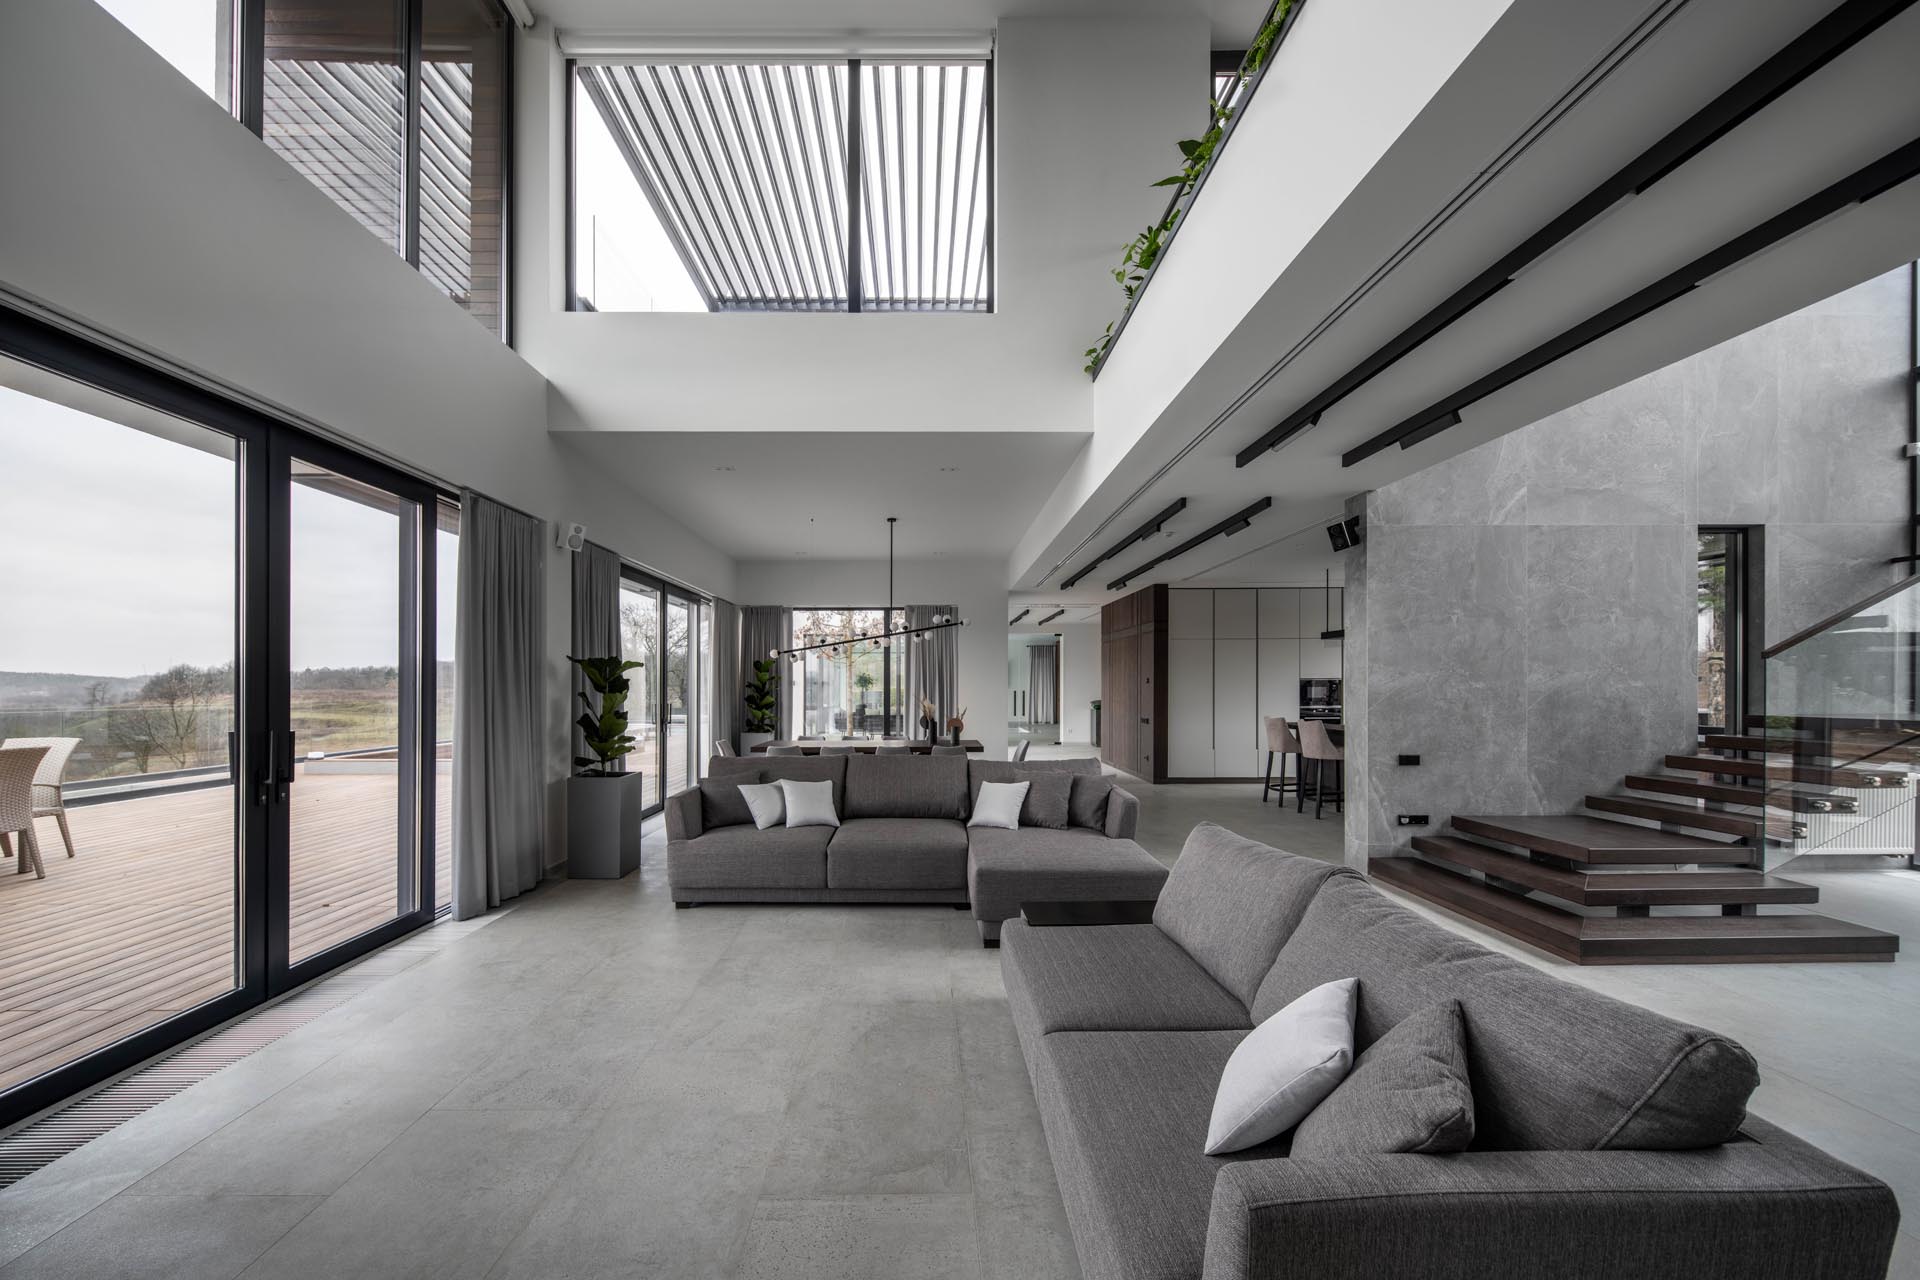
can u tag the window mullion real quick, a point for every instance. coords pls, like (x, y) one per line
(855, 197)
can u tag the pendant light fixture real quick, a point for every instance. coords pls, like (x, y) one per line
(941, 622)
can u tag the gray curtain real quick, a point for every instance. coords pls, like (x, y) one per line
(1043, 681)
(764, 628)
(933, 666)
(596, 618)
(499, 718)
(727, 709)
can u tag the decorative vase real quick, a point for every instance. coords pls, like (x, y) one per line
(749, 740)
(953, 737)
(933, 732)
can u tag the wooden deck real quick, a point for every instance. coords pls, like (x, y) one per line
(141, 923)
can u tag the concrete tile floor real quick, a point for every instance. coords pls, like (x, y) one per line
(597, 1085)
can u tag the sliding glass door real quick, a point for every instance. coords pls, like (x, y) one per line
(211, 675)
(670, 709)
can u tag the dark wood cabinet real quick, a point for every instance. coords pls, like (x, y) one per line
(1133, 684)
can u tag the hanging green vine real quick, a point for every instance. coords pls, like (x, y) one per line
(1137, 259)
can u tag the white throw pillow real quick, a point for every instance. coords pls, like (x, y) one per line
(998, 804)
(1284, 1068)
(809, 804)
(766, 802)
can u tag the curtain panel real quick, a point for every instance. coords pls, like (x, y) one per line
(933, 666)
(596, 620)
(499, 775)
(1043, 682)
(764, 628)
(728, 712)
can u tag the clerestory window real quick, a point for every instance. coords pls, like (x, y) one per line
(793, 185)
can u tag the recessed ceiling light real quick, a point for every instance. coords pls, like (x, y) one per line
(949, 468)
(723, 468)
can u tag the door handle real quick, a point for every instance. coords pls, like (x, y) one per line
(263, 781)
(283, 776)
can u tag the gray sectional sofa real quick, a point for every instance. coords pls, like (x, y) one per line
(903, 837)
(1610, 1141)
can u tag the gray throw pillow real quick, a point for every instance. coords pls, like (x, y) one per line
(720, 802)
(1087, 803)
(1046, 802)
(1408, 1092)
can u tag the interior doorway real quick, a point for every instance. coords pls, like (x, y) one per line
(1033, 689)
(1728, 594)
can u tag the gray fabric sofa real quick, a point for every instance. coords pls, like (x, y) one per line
(903, 837)
(1610, 1141)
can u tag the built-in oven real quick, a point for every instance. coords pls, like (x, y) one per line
(1320, 699)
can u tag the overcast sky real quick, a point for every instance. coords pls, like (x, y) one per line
(118, 554)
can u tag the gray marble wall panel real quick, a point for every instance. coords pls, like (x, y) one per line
(1522, 615)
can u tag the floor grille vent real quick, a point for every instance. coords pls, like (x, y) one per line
(36, 1145)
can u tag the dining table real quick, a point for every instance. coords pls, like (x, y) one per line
(867, 746)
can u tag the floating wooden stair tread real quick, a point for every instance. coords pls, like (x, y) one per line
(1745, 826)
(1638, 939)
(1820, 774)
(1799, 799)
(1804, 748)
(1596, 840)
(1620, 888)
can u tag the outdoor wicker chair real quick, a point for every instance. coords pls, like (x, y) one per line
(17, 766)
(49, 781)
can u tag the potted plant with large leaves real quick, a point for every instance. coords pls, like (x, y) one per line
(762, 699)
(604, 800)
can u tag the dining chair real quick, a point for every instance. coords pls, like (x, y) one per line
(897, 749)
(837, 749)
(785, 751)
(18, 766)
(1020, 751)
(1281, 740)
(723, 748)
(1317, 745)
(947, 749)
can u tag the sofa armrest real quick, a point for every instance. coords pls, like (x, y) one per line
(683, 815)
(1123, 814)
(1776, 1209)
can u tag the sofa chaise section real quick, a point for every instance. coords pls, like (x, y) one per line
(1610, 1141)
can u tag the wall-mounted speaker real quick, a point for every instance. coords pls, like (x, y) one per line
(571, 537)
(1345, 534)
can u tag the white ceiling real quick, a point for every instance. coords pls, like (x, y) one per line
(826, 496)
(1233, 20)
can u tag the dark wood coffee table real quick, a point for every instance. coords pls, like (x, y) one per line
(1042, 915)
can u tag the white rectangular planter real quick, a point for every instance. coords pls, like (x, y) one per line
(603, 826)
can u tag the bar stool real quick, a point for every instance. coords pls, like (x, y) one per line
(1316, 745)
(1281, 740)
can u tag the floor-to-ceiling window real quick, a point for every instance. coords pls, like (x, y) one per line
(845, 679)
(670, 707)
(216, 664)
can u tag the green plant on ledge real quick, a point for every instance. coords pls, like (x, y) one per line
(762, 697)
(1137, 259)
(604, 727)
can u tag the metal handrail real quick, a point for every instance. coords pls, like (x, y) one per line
(1807, 633)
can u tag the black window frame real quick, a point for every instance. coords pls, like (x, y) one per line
(249, 99)
(856, 190)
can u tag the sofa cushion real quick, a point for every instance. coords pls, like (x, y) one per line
(1034, 864)
(721, 804)
(1409, 1093)
(1231, 902)
(1087, 803)
(779, 768)
(898, 853)
(1121, 977)
(746, 858)
(1047, 790)
(1553, 1066)
(1126, 1117)
(906, 787)
(1284, 1069)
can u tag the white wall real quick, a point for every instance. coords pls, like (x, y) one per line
(976, 588)
(132, 203)
(1087, 114)
(1079, 679)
